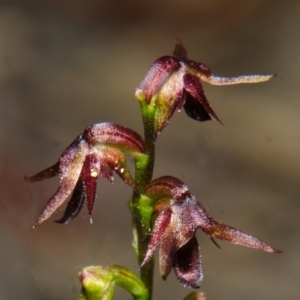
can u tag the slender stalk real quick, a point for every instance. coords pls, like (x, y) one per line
(141, 207)
(142, 228)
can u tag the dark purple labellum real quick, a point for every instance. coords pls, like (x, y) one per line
(195, 110)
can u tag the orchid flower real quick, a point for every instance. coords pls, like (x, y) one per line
(178, 216)
(174, 82)
(99, 151)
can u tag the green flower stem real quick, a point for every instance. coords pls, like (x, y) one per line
(141, 207)
(144, 168)
(142, 210)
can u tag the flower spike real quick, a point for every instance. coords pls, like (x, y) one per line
(173, 82)
(179, 215)
(99, 151)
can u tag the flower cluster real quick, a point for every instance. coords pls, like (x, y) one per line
(99, 151)
(173, 83)
(178, 215)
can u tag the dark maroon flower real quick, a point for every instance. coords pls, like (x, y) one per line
(178, 216)
(99, 151)
(173, 82)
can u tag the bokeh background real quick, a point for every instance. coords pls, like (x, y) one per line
(68, 64)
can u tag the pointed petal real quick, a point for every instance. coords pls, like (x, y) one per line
(227, 233)
(179, 51)
(161, 223)
(215, 229)
(197, 107)
(111, 134)
(179, 231)
(187, 264)
(167, 250)
(116, 160)
(216, 80)
(168, 100)
(70, 165)
(203, 73)
(90, 187)
(90, 173)
(45, 174)
(198, 69)
(75, 204)
(156, 76)
(183, 220)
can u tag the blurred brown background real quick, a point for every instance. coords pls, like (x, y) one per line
(68, 64)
